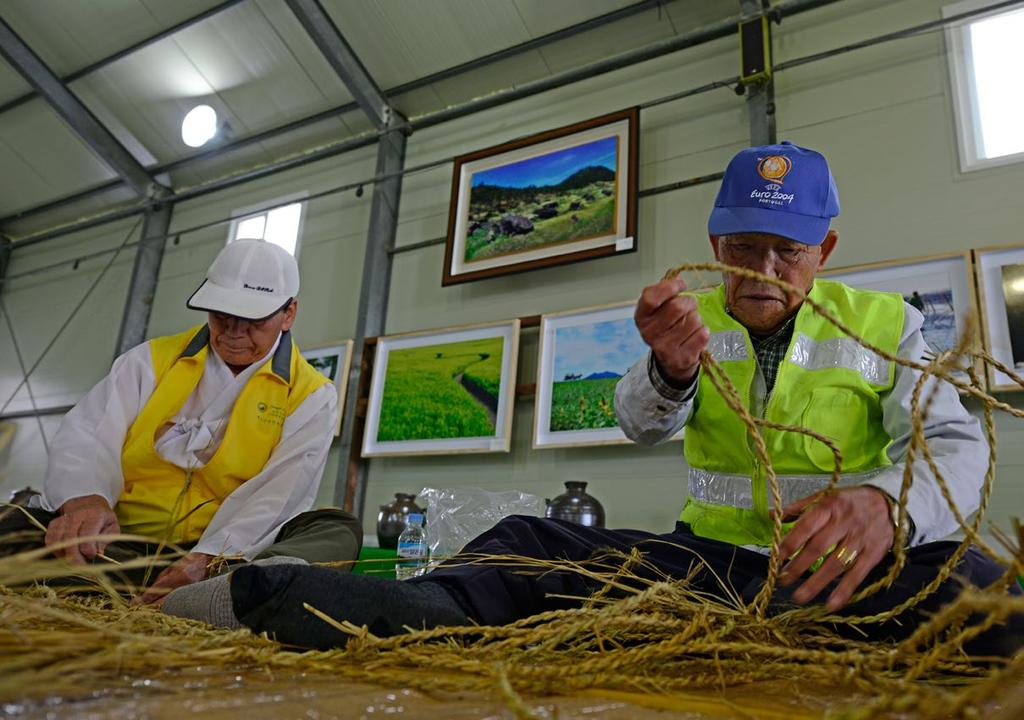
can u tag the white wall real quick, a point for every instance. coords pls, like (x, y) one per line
(882, 115)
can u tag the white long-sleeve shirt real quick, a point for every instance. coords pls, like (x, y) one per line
(86, 451)
(955, 437)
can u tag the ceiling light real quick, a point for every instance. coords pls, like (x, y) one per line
(199, 125)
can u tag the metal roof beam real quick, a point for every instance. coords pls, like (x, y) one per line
(319, 26)
(22, 58)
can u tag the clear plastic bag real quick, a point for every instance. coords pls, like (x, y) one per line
(456, 516)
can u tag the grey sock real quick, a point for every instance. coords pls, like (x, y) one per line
(210, 600)
(273, 600)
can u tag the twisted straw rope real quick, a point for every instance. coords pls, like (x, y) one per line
(942, 367)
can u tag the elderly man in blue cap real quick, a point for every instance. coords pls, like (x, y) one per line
(772, 215)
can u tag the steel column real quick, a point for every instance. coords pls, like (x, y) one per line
(322, 30)
(760, 96)
(148, 256)
(23, 59)
(350, 484)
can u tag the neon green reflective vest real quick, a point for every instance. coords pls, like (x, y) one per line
(826, 381)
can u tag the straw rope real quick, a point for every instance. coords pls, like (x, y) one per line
(640, 638)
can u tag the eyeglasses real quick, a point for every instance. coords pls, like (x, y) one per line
(739, 252)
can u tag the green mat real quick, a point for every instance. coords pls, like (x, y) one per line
(376, 561)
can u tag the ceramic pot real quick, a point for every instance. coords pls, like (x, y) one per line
(392, 518)
(575, 505)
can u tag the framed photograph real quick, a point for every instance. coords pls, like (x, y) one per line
(1001, 277)
(443, 392)
(583, 353)
(940, 286)
(333, 360)
(552, 198)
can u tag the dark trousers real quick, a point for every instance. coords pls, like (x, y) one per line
(496, 595)
(317, 536)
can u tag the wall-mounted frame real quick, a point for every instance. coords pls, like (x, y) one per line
(443, 392)
(555, 197)
(940, 286)
(1001, 280)
(583, 353)
(333, 360)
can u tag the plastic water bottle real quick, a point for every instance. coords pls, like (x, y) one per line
(412, 549)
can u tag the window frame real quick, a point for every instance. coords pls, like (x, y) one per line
(265, 208)
(965, 109)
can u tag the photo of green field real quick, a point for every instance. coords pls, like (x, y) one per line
(449, 390)
(589, 359)
(569, 194)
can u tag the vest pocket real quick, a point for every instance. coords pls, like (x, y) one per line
(834, 413)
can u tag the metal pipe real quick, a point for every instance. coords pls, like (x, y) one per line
(57, 410)
(785, 9)
(647, 192)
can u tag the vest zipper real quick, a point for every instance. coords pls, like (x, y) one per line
(758, 486)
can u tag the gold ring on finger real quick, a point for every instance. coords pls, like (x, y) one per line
(846, 556)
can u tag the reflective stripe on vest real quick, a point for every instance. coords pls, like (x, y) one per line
(728, 345)
(720, 488)
(840, 352)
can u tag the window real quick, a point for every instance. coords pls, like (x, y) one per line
(282, 225)
(986, 54)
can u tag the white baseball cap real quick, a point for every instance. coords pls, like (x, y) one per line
(250, 279)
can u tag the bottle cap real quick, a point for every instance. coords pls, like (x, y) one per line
(416, 518)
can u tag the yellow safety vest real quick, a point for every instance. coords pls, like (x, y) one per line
(826, 382)
(149, 504)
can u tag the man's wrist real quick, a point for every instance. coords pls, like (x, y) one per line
(669, 389)
(83, 501)
(894, 517)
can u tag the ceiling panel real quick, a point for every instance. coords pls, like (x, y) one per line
(71, 35)
(402, 41)
(688, 16)
(601, 43)
(237, 62)
(514, 71)
(304, 50)
(47, 159)
(11, 83)
(539, 19)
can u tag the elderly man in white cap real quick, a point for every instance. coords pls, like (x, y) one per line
(212, 440)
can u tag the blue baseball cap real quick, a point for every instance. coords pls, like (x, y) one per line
(779, 189)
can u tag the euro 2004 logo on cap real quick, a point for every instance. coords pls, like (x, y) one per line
(774, 168)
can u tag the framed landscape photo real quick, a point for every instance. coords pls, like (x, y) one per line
(551, 198)
(1001, 277)
(583, 353)
(443, 392)
(333, 360)
(940, 286)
